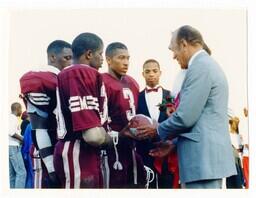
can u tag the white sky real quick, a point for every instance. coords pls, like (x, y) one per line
(145, 32)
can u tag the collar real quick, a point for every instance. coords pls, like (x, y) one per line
(194, 56)
(49, 68)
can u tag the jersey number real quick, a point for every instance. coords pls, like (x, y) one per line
(129, 95)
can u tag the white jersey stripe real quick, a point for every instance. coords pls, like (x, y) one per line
(66, 164)
(39, 99)
(39, 103)
(77, 171)
(33, 94)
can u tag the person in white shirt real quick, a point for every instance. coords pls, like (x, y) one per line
(178, 82)
(236, 138)
(245, 159)
(236, 181)
(17, 171)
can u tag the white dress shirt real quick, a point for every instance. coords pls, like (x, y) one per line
(153, 99)
(236, 140)
(178, 82)
(14, 127)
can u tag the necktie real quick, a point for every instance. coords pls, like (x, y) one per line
(152, 90)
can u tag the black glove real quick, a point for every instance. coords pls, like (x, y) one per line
(54, 181)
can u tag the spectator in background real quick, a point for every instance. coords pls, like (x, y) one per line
(236, 138)
(24, 123)
(17, 171)
(245, 158)
(236, 181)
(25, 150)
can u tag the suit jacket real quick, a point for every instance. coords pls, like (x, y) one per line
(201, 123)
(144, 146)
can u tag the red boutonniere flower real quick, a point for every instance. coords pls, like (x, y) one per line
(167, 102)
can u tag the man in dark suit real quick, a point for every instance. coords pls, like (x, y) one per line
(149, 98)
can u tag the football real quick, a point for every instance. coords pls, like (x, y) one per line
(139, 120)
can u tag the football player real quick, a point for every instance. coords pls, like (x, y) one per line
(38, 89)
(81, 96)
(125, 165)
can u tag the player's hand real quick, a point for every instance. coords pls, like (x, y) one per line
(125, 132)
(147, 131)
(170, 110)
(54, 181)
(162, 149)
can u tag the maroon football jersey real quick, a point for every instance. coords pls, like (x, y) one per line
(122, 104)
(122, 100)
(81, 95)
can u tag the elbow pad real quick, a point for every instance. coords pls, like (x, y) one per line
(96, 136)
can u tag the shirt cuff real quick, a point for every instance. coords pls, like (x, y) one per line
(175, 141)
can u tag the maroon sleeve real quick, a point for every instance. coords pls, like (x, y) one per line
(39, 88)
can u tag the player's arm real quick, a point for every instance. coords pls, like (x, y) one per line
(18, 137)
(14, 132)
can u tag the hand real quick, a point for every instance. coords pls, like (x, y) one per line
(170, 110)
(147, 131)
(125, 132)
(162, 149)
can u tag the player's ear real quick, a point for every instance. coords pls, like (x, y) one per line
(183, 43)
(88, 54)
(108, 59)
(52, 58)
(143, 74)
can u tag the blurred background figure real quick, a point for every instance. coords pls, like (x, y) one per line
(236, 181)
(24, 123)
(236, 138)
(17, 171)
(25, 150)
(245, 157)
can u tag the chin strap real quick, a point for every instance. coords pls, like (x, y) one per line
(149, 173)
(117, 165)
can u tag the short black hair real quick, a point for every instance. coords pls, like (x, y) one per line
(15, 106)
(151, 61)
(57, 46)
(112, 47)
(84, 42)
